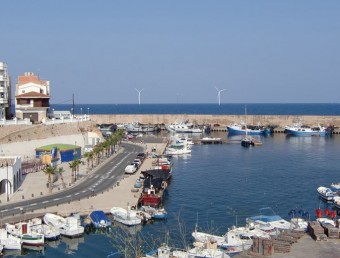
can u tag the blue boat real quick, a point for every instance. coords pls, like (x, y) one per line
(300, 130)
(251, 130)
(99, 219)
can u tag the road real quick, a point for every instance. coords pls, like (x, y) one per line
(103, 177)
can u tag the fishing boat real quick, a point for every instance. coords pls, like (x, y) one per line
(50, 233)
(99, 219)
(125, 216)
(301, 130)
(69, 226)
(325, 193)
(8, 241)
(251, 130)
(24, 232)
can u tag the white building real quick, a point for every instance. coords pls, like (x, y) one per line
(32, 98)
(10, 175)
(5, 92)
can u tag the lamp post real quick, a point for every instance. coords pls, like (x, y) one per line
(81, 111)
(88, 111)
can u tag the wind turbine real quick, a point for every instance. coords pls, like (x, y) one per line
(139, 91)
(219, 95)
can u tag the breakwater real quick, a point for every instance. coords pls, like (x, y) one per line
(271, 120)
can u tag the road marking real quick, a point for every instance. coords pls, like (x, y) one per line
(45, 202)
(32, 204)
(68, 196)
(56, 199)
(76, 193)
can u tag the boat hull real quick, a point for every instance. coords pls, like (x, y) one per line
(236, 130)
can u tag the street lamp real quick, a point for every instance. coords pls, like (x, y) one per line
(88, 111)
(81, 111)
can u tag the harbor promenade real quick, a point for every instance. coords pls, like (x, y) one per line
(120, 194)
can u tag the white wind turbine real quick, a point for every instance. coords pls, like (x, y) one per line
(139, 91)
(219, 95)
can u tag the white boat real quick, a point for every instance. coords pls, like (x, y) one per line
(50, 233)
(8, 241)
(227, 241)
(24, 232)
(325, 193)
(335, 187)
(69, 226)
(164, 251)
(300, 130)
(177, 151)
(184, 127)
(125, 216)
(137, 127)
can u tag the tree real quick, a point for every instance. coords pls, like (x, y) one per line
(49, 171)
(60, 171)
(73, 167)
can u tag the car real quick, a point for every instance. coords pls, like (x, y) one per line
(130, 169)
(137, 161)
(141, 156)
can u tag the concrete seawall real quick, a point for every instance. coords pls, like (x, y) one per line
(275, 120)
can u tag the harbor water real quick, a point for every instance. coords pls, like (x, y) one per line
(219, 185)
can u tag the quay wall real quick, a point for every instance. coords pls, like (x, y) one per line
(273, 120)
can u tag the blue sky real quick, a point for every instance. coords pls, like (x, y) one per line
(177, 51)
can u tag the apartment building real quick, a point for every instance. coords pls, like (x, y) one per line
(5, 92)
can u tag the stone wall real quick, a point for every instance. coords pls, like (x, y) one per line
(276, 120)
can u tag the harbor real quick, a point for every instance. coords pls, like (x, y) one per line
(124, 193)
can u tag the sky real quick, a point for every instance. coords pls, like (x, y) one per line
(176, 51)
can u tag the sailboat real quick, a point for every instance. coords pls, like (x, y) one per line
(246, 141)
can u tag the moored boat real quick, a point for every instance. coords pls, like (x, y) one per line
(8, 241)
(125, 216)
(251, 130)
(68, 226)
(155, 213)
(325, 193)
(301, 130)
(24, 232)
(99, 219)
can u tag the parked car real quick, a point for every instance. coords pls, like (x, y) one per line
(141, 156)
(138, 162)
(130, 169)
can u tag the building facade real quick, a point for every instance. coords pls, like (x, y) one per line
(5, 92)
(10, 175)
(32, 98)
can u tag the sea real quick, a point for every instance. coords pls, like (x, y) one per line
(218, 186)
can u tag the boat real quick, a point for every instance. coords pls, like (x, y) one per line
(335, 187)
(227, 241)
(137, 127)
(50, 233)
(207, 250)
(99, 219)
(325, 193)
(251, 130)
(301, 130)
(271, 222)
(177, 151)
(184, 127)
(155, 213)
(211, 140)
(68, 226)
(125, 216)
(24, 232)
(8, 241)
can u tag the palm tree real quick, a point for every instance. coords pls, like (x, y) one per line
(49, 171)
(73, 167)
(60, 171)
(77, 163)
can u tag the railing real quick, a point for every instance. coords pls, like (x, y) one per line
(72, 119)
(15, 121)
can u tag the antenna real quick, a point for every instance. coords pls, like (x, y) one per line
(219, 95)
(139, 91)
